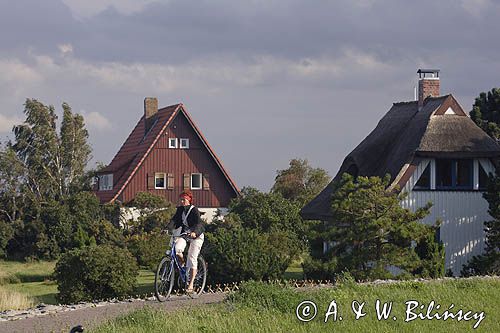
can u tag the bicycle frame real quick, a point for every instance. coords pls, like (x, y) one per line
(175, 261)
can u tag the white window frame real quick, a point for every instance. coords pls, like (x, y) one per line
(185, 145)
(159, 175)
(175, 145)
(201, 181)
(106, 182)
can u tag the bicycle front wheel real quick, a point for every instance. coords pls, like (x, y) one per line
(201, 276)
(164, 279)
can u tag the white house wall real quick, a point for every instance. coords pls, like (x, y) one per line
(462, 213)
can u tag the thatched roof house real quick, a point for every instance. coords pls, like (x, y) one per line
(435, 152)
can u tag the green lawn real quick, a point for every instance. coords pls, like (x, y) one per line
(264, 308)
(33, 279)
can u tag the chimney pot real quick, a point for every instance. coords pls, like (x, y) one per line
(428, 85)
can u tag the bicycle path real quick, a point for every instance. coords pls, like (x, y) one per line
(89, 317)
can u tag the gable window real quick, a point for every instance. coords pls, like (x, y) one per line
(106, 182)
(196, 181)
(424, 182)
(172, 142)
(454, 174)
(160, 181)
(184, 144)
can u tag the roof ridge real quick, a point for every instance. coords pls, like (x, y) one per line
(404, 102)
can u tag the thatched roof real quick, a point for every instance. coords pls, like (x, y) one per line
(402, 136)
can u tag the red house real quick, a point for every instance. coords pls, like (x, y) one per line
(166, 154)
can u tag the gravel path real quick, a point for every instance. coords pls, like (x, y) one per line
(89, 316)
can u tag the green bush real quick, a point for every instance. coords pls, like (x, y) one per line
(318, 269)
(244, 254)
(148, 249)
(95, 272)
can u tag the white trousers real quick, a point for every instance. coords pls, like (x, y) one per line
(193, 251)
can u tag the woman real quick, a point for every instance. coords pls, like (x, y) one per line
(187, 218)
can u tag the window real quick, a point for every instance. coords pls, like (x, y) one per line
(483, 178)
(172, 142)
(196, 181)
(454, 174)
(160, 181)
(184, 144)
(424, 182)
(106, 182)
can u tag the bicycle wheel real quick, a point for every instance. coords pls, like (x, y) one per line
(164, 279)
(201, 276)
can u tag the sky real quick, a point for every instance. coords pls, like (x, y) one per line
(265, 81)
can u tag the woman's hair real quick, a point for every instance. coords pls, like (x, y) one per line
(188, 195)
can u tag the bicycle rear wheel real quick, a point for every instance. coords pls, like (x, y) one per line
(164, 279)
(201, 276)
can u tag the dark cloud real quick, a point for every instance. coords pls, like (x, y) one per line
(266, 81)
(35, 25)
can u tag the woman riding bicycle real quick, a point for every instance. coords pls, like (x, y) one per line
(187, 219)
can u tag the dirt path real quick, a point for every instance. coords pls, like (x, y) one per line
(90, 317)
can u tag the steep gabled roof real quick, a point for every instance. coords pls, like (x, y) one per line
(403, 135)
(138, 145)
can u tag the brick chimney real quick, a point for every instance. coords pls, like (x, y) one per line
(428, 85)
(150, 110)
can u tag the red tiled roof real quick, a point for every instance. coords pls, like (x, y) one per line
(137, 147)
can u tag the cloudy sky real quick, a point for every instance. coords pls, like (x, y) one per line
(265, 80)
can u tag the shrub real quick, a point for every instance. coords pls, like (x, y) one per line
(244, 254)
(95, 272)
(320, 269)
(148, 249)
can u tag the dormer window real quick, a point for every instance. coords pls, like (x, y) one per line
(172, 142)
(454, 174)
(184, 143)
(106, 182)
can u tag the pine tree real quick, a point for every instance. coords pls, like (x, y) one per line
(486, 112)
(371, 231)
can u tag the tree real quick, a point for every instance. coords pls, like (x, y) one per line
(267, 212)
(489, 262)
(300, 182)
(372, 231)
(11, 185)
(42, 173)
(486, 112)
(52, 163)
(75, 152)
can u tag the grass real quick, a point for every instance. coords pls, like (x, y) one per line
(17, 272)
(271, 308)
(12, 300)
(33, 279)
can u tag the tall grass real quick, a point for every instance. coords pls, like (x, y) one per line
(271, 308)
(12, 300)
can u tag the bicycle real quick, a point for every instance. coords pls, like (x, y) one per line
(166, 272)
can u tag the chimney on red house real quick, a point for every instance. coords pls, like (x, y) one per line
(150, 110)
(428, 85)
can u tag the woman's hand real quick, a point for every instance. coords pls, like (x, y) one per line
(193, 235)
